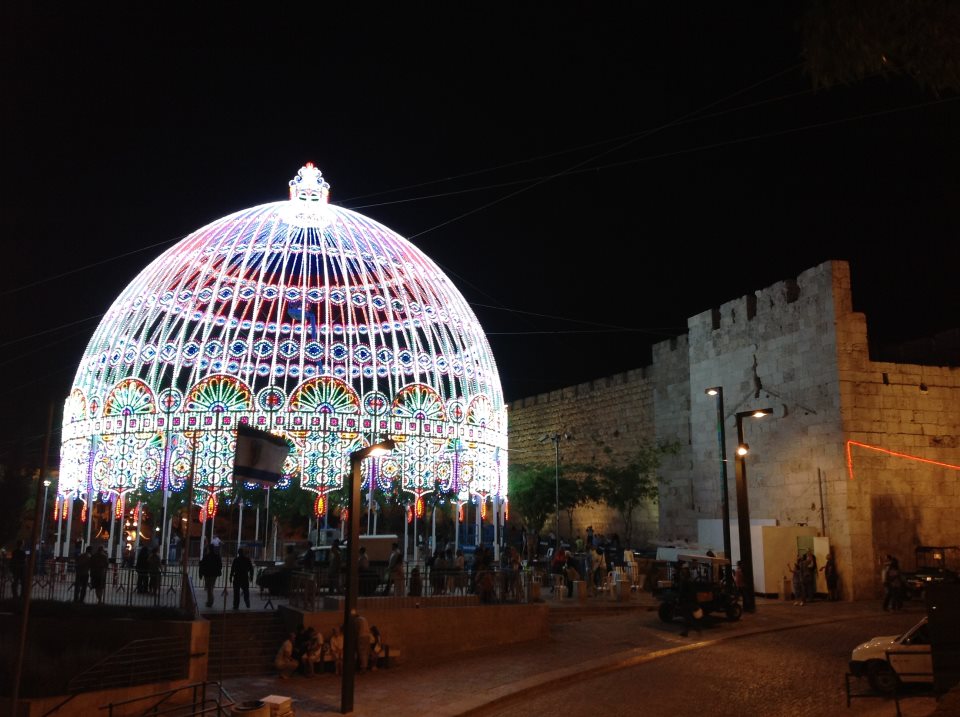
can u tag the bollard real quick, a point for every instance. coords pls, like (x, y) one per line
(535, 590)
(559, 588)
(614, 587)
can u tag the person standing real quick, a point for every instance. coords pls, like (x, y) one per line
(98, 573)
(459, 571)
(830, 575)
(599, 568)
(210, 569)
(893, 586)
(18, 565)
(687, 602)
(154, 570)
(590, 564)
(336, 563)
(394, 572)
(363, 642)
(808, 572)
(241, 573)
(369, 581)
(82, 575)
(174, 549)
(557, 565)
(738, 579)
(143, 571)
(796, 578)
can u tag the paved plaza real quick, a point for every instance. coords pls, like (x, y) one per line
(585, 639)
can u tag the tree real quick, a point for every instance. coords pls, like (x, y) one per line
(577, 491)
(624, 487)
(292, 505)
(533, 492)
(845, 42)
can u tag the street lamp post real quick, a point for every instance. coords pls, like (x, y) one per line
(724, 492)
(353, 572)
(743, 509)
(556, 438)
(43, 516)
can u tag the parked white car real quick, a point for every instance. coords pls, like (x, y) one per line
(889, 660)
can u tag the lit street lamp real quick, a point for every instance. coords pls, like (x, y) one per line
(353, 571)
(743, 509)
(724, 492)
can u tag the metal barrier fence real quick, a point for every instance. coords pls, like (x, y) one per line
(302, 588)
(205, 698)
(440, 588)
(123, 586)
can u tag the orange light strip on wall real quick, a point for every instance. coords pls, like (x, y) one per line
(896, 454)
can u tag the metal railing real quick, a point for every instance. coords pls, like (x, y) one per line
(157, 659)
(123, 586)
(167, 702)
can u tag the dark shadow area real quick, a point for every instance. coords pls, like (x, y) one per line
(65, 640)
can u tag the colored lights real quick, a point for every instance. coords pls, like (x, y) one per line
(298, 317)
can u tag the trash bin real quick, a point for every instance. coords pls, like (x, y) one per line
(251, 708)
(559, 588)
(580, 591)
(535, 590)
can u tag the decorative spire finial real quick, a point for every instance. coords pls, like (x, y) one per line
(309, 185)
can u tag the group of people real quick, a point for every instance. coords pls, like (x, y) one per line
(90, 568)
(804, 578)
(306, 650)
(240, 576)
(568, 566)
(149, 569)
(447, 571)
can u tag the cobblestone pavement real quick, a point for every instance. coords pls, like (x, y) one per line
(598, 637)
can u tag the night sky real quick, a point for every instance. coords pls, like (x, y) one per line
(588, 178)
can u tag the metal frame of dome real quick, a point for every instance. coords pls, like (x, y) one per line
(298, 317)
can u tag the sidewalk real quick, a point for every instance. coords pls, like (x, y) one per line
(585, 639)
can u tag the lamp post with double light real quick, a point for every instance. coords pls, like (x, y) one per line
(717, 392)
(743, 508)
(353, 571)
(556, 438)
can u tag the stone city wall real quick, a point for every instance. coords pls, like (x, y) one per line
(605, 420)
(798, 348)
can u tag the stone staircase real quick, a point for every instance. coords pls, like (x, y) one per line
(243, 643)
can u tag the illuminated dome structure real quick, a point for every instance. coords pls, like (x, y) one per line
(302, 318)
